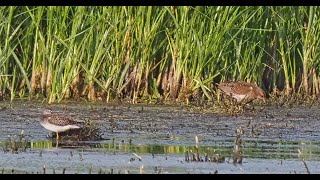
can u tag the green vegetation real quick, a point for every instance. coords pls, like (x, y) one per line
(152, 53)
(265, 149)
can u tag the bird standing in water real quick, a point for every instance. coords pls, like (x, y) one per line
(57, 122)
(242, 91)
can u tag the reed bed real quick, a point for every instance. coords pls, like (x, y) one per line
(156, 53)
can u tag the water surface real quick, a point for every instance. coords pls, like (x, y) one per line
(275, 140)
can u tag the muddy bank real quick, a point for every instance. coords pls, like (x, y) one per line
(271, 123)
(271, 136)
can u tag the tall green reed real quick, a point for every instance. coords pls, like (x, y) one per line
(178, 53)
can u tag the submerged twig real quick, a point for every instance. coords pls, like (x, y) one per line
(140, 159)
(304, 163)
(237, 151)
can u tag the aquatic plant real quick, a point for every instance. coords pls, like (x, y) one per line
(162, 53)
(15, 144)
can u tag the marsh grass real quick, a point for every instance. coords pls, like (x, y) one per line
(155, 54)
(15, 144)
(89, 131)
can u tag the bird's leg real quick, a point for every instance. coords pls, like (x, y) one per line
(57, 140)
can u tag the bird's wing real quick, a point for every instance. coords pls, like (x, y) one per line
(61, 120)
(244, 89)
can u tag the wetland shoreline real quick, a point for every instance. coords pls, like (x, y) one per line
(270, 135)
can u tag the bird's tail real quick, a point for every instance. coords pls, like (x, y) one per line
(74, 127)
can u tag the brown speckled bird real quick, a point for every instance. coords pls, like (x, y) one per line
(241, 90)
(57, 122)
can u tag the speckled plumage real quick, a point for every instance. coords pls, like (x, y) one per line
(58, 119)
(241, 90)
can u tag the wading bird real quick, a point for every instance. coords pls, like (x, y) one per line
(242, 91)
(57, 122)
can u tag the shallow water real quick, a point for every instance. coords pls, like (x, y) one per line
(275, 140)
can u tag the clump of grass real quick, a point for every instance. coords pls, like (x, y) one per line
(195, 156)
(281, 98)
(88, 132)
(15, 144)
(191, 156)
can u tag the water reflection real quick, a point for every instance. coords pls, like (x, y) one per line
(251, 148)
(84, 157)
